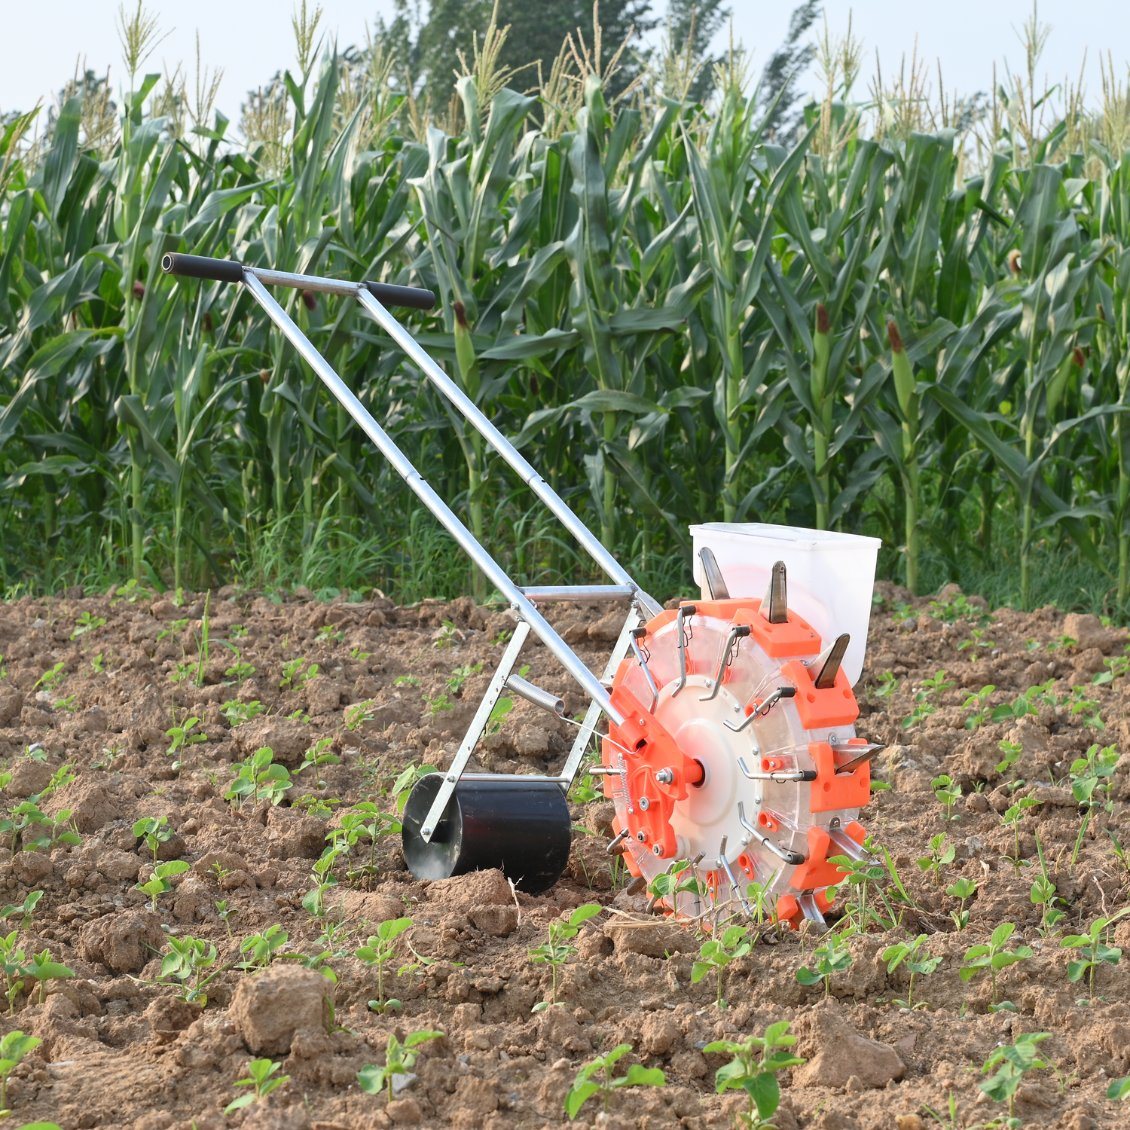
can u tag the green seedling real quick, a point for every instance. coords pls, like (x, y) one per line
(296, 673)
(400, 1058)
(236, 713)
(831, 956)
(878, 896)
(992, 957)
(174, 629)
(717, 954)
(314, 901)
(262, 948)
(31, 829)
(365, 822)
(556, 951)
(259, 777)
(3, 668)
(1043, 894)
(1116, 668)
(1093, 951)
(672, 882)
(87, 622)
(378, 952)
(1119, 1090)
(924, 699)
(43, 968)
(240, 669)
(941, 855)
(460, 675)
(439, 704)
(913, 956)
(585, 790)
(962, 889)
(1012, 1063)
(238, 632)
(1011, 752)
(597, 1078)
(262, 1077)
(187, 963)
(498, 715)
(154, 831)
(14, 1046)
(24, 909)
(52, 677)
(1012, 817)
(182, 736)
(406, 681)
(978, 702)
(446, 636)
(406, 781)
(327, 633)
(885, 685)
(224, 911)
(756, 1064)
(159, 882)
(318, 755)
(359, 713)
(1091, 775)
(978, 637)
(359, 654)
(948, 794)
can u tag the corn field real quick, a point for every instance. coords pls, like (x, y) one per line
(888, 331)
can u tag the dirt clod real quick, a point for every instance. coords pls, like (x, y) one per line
(270, 1007)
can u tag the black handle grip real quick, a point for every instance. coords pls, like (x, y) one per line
(389, 294)
(201, 267)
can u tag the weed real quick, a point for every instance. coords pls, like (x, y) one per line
(327, 633)
(992, 957)
(597, 1078)
(240, 669)
(174, 629)
(460, 675)
(158, 883)
(445, 636)
(400, 1058)
(406, 681)
(377, 952)
(365, 822)
(556, 951)
(757, 1061)
(1012, 817)
(442, 702)
(263, 1078)
(1013, 1063)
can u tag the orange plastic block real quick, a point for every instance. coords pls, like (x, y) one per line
(820, 709)
(832, 790)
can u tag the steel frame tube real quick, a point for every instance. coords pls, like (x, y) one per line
(494, 572)
(517, 462)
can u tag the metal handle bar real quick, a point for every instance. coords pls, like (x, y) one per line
(254, 280)
(228, 270)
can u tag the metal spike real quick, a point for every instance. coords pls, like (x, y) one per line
(715, 583)
(806, 900)
(787, 855)
(642, 656)
(775, 606)
(682, 639)
(862, 753)
(848, 846)
(829, 663)
(737, 632)
(614, 845)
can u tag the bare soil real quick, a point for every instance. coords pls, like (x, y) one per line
(122, 1046)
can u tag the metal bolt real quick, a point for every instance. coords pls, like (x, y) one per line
(658, 850)
(642, 837)
(665, 776)
(645, 804)
(425, 831)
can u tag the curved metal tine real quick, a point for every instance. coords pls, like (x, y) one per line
(724, 863)
(737, 632)
(828, 663)
(784, 854)
(806, 900)
(862, 753)
(641, 659)
(682, 639)
(848, 846)
(775, 606)
(615, 843)
(715, 583)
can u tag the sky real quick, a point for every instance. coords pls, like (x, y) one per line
(249, 40)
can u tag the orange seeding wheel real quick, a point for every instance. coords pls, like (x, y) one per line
(737, 754)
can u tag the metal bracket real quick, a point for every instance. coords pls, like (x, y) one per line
(475, 730)
(592, 715)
